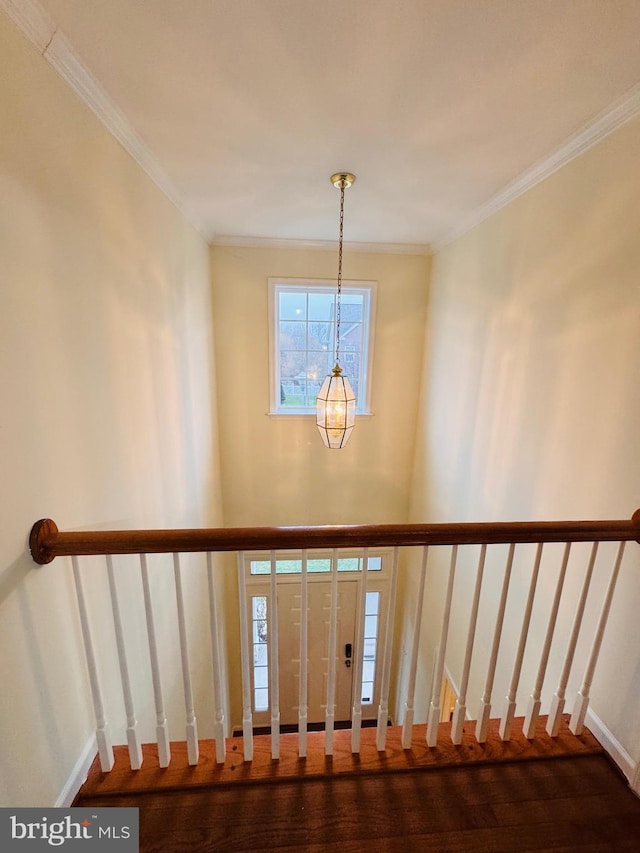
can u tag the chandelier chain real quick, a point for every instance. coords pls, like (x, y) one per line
(338, 305)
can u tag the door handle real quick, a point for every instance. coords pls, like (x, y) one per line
(348, 650)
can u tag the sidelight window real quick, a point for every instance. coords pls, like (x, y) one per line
(260, 653)
(371, 619)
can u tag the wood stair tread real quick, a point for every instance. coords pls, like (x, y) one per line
(179, 775)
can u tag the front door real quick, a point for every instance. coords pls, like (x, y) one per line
(319, 599)
(319, 609)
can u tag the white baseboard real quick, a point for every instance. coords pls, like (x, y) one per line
(451, 680)
(78, 774)
(614, 748)
(456, 690)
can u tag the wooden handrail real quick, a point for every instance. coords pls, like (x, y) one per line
(46, 542)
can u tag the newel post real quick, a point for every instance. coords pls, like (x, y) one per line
(43, 534)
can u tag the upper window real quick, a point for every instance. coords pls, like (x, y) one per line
(303, 340)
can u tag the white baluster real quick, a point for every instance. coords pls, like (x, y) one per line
(383, 707)
(460, 710)
(303, 697)
(331, 679)
(191, 725)
(506, 724)
(484, 713)
(407, 728)
(533, 709)
(557, 703)
(274, 670)
(105, 749)
(358, 652)
(247, 718)
(576, 723)
(133, 741)
(218, 710)
(162, 732)
(434, 707)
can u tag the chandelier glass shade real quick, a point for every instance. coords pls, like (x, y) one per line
(336, 402)
(336, 410)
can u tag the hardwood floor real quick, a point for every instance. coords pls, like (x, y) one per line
(180, 775)
(552, 804)
(543, 794)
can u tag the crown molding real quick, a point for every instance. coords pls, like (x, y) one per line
(320, 245)
(53, 45)
(32, 19)
(622, 111)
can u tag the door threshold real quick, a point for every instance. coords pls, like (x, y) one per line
(311, 727)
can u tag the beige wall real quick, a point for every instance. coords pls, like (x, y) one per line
(107, 413)
(530, 406)
(276, 469)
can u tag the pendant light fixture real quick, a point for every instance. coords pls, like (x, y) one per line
(336, 402)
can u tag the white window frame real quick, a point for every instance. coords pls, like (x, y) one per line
(276, 286)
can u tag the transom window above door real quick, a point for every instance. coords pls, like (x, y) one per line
(315, 565)
(303, 335)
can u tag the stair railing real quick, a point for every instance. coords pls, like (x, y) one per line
(47, 543)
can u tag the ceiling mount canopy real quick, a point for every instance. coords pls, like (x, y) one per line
(343, 180)
(336, 402)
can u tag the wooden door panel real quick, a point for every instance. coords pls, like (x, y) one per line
(319, 605)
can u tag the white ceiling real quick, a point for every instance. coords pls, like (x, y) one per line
(248, 106)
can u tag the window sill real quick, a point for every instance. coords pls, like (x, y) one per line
(307, 415)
